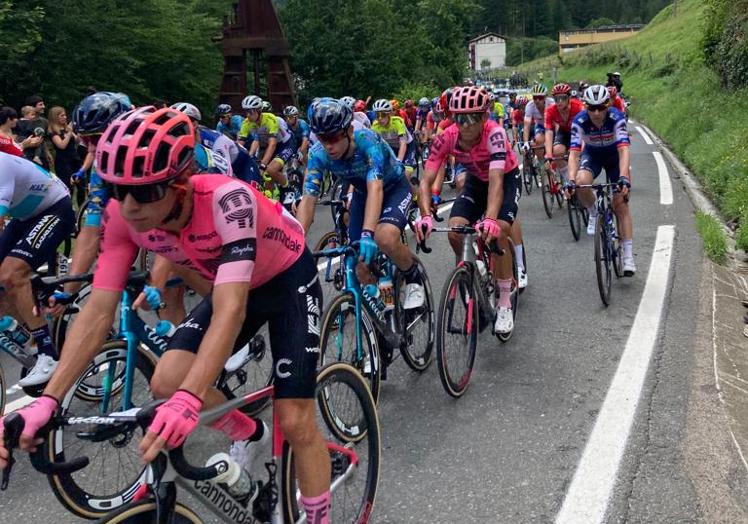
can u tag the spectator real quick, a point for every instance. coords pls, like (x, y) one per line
(159, 104)
(34, 124)
(64, 141)
(8, 121)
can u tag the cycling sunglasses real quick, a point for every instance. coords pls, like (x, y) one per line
(561, 98)
(597, 109)
(463, 119)
(332, 139)
(381, 114)
(538, 98)
(145, 194)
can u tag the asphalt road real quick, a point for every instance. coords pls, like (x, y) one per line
(509, 449)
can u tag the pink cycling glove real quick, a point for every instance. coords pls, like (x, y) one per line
(177, 418)
(36, 415)
(424, 226)
(490, 226)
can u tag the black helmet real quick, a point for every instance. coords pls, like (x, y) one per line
(94, 112)
(223, 109)
(328, 116)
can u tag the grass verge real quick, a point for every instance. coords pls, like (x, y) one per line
(714, 237)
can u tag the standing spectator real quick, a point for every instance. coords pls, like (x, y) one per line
(34, 124)
(8, 121)
(64, 142)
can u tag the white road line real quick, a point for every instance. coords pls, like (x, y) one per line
(18, 403)
(645, 136)
(666, 188)
(323, 265)
(588, 495)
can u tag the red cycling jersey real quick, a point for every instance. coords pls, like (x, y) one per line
(619, 104)
(553, 116)
(518, 117)
(234, 235)
(492, 152)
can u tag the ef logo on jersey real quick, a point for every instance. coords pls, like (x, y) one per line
(237, 207)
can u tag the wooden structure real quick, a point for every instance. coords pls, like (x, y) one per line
(252, 35)
(570, 40)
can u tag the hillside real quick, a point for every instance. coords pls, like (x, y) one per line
(679, 97)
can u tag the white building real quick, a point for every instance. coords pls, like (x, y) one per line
(488, 49)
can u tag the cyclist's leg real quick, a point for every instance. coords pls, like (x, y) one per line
(294, 340)
(391, 224)
(282, 155)
(589, 169)
(460, 174)
(561, 143)
(538, 141)
(623, 212)
(467, 209)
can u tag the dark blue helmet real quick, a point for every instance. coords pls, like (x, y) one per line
(329, 116)
(94, 112)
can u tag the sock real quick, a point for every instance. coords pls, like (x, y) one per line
(412, 275)
(238, 426)
(44, 341)
(317, 508)
(519, 251)
(628, 248)
(505, 289)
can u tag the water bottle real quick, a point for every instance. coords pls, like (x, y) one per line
(481, 268)
(387, 292)
(14, 330)
(235, 477)
(164, 328)
(371, 295)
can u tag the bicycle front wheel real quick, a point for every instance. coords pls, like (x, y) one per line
(144, 512)
(2, 391)
(115, 469)
(527, 176)
(457, 331)
(347, 418)
(575, 217)
(602, 260)
(417, 325)
(546, 193)
(339, 340)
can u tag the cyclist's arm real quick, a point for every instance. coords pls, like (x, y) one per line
(624, 162)
(403, 148)
(269, 150)
(437, 156)
(623, 144)
(548, 142)
(89, 159)
(313, 177)
(374, 198)
(526, 131)
(573, 164)
(575, 149)
(495, 193)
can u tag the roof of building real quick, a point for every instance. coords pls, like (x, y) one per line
(485, 35)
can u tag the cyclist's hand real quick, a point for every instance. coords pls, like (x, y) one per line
(570, 187)
(424, 226)
(174, 421)
(490, 229)
(368, 246)
(35, 416)
(525, 147)
(548, 161)
(623, 186)
(78, 176)
(58, 301)
(150, 298)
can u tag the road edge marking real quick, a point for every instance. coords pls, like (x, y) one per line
(645, 136)
(589, 493)
(666, 188)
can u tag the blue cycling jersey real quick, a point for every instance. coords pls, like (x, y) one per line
(232, 129)
(300, 132)
(372, 159)
(599, 141)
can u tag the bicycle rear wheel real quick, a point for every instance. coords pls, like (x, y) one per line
(546, 193)
(254, 372)
(457, 331)
(417, 325)
(602, 260)
(2, 391)
(338, 340)
(115, 471)
(616, 256)
(144, 512)
(347, 418)
(575, 216)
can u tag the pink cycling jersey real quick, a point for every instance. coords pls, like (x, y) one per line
(492, 152)
(234, 235)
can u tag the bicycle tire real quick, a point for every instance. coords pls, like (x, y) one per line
(144, 512)
(462, 280)
(416, 361)
(260, 378)
(69, 489)
(546, 193)
(368, 364)
(615, 247)
(559, 192)
(575, 217)
(329, 377)
(328, 240)
(80, 216)
(514, 293)
(3, 389)
(527, 178)
(602, 261)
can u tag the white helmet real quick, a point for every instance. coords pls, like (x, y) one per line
(382, 105)
(596, 95)
(188, 109)
(291, 111)
(252, 102)
(348, 101)
(266, 106)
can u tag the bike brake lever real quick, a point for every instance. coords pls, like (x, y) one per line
(13, 427)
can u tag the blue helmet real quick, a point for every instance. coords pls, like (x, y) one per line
(328, 116)
(94, 112)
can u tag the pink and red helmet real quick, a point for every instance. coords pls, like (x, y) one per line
(469, 99)
(561, 89)
(146, 146)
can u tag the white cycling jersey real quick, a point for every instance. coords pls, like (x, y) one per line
(27, 189)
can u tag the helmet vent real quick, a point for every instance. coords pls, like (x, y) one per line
(145, 140)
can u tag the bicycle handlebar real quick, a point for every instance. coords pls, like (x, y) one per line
(463, 230)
